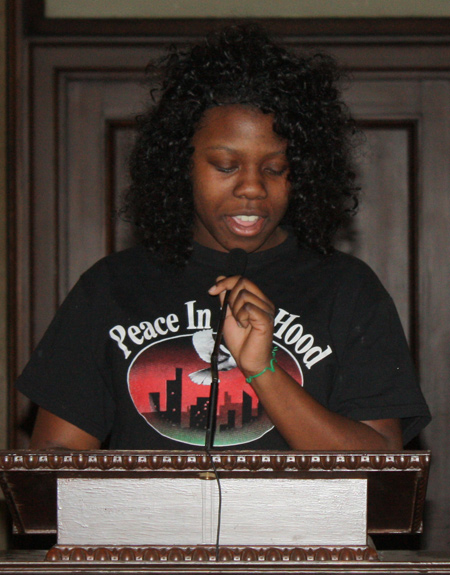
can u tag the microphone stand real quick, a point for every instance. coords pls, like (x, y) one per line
(236, 264)
(214, 390)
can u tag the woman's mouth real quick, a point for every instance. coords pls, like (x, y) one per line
(245, 225)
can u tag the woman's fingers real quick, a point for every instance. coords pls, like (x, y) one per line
(247, 309)
(242, 293)
(249, 336)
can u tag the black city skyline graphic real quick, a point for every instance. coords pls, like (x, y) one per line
(231, 415)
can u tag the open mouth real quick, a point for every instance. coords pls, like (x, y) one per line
(246, 225)
(246, 221)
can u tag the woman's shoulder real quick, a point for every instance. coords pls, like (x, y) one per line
(133, 266)
(130, 260)
(344, 273)
(348, 265)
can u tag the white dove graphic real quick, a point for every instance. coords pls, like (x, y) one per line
(204, 344)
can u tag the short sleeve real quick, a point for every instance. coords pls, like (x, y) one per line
(376, 377)
(63, 376)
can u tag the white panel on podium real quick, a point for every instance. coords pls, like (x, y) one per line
(184, 511)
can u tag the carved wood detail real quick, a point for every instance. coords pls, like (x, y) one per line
(201, 554)
(396, 481)
(200, 461)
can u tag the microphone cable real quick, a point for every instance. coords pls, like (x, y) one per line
(235, 265)
(219, 508)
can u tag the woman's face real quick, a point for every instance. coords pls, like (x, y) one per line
(239, 178)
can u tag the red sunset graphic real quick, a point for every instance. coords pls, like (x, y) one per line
(161, 385)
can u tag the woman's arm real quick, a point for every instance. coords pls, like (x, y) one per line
(302, 421)
(306, 424)
(52, 432)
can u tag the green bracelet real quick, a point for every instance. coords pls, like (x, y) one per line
(270, 367)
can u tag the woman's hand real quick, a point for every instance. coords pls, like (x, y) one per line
(248, 328)
(301, 420)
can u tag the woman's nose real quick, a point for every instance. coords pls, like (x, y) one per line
(250, 184)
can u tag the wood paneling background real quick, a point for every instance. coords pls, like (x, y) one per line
(75, 100)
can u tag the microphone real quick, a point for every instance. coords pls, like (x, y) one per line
(235, 266)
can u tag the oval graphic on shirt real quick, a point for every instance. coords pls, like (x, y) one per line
(169, 382)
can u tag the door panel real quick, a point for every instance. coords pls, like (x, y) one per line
(97, 140)
(381, 232)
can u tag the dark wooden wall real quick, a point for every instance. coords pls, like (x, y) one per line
(75, 88)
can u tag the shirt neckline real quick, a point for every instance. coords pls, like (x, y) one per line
(214, 258)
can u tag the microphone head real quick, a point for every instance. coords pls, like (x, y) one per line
(236, 262)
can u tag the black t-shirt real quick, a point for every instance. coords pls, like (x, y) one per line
(126, 358)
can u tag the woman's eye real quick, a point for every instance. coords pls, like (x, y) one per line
(225, 169)
(276, 171)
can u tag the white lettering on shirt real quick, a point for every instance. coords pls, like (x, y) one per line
(303, 343)
(145, 331)
(286, 329)
(197, 319)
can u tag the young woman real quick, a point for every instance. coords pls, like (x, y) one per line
(249, 146)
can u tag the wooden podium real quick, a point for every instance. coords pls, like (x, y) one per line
(168, 508)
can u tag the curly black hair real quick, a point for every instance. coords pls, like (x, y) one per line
(240, 64)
